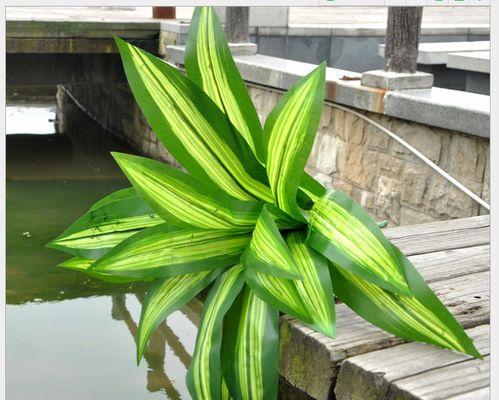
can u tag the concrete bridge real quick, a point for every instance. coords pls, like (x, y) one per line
(74, 44)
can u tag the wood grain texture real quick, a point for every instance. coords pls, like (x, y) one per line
(444, 383)
(311, 361)
(426, 238)
(374, 375)
(452, 256)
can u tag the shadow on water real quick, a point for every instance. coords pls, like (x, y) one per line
(69, 335)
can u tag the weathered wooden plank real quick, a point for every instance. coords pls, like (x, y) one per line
(371, 376)
(454, 234)
(444, 383)
(438, 227)
(447, 264)
(310, 361)
(81, 29)
(479, 394)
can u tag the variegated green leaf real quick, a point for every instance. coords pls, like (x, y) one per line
(290, 132)
(204, 377)
(184, 200)
(107, 223)
(309, 192)
(83, 265)
(225, 395)
(165, 296)
(190, 125)
(167, 251)
(250, 353)
(267, 251)
(344, 233)
(280, 293)
(420, 316)
(316, 289)
(209, 63)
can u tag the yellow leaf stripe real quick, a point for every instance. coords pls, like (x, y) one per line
(409, 310)
(355, 241)
(169, 249)
(268, 247)
(166, 296)
(172, 192)
(290, 132)
(204, 375)
(77, 263)
(83, 265)
(194, 131)
(108, 234)
(315, 289)
(225, 395)
(249, 357)
(280, 293)
(215, 79)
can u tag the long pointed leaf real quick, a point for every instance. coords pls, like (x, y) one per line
(204, 377)
(344, 233)
(316, 289)
(280, 293)
(251, 348)
(209, 63)
(167, 251)
(184, 200)
(420, 317)
(290, 132)
(165, 296)
(107, 223)
(190, 125)
(83, 265)
(268, 252)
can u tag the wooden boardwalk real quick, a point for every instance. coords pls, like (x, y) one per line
(365, 363)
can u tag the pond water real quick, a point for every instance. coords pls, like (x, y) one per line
(69, 336)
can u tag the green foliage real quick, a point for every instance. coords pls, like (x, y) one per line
(248, 218)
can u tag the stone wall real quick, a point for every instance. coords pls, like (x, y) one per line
(384, 177)
(348, 155)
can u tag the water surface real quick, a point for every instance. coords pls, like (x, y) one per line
(70, 336)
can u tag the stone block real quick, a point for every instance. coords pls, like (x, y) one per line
(387, 199)
(325, 180)
(353, 130)
(375, 138)
(326, 117)
(414, 182)
(338, 122)
(324, 156)
(361, 166)
(344, 186)
(243, 49)
(397, 81)
(464, 157)
(445, 201)
(422, 137)
(409, 216)
(390, 165)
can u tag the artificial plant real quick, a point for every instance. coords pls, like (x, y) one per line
(246, 221)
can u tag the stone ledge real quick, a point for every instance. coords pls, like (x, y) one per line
(444, 108)
(397, 81)
(438, 52)
(476, 61)
(181, 27)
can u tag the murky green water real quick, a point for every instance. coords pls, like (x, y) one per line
(70, 336)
